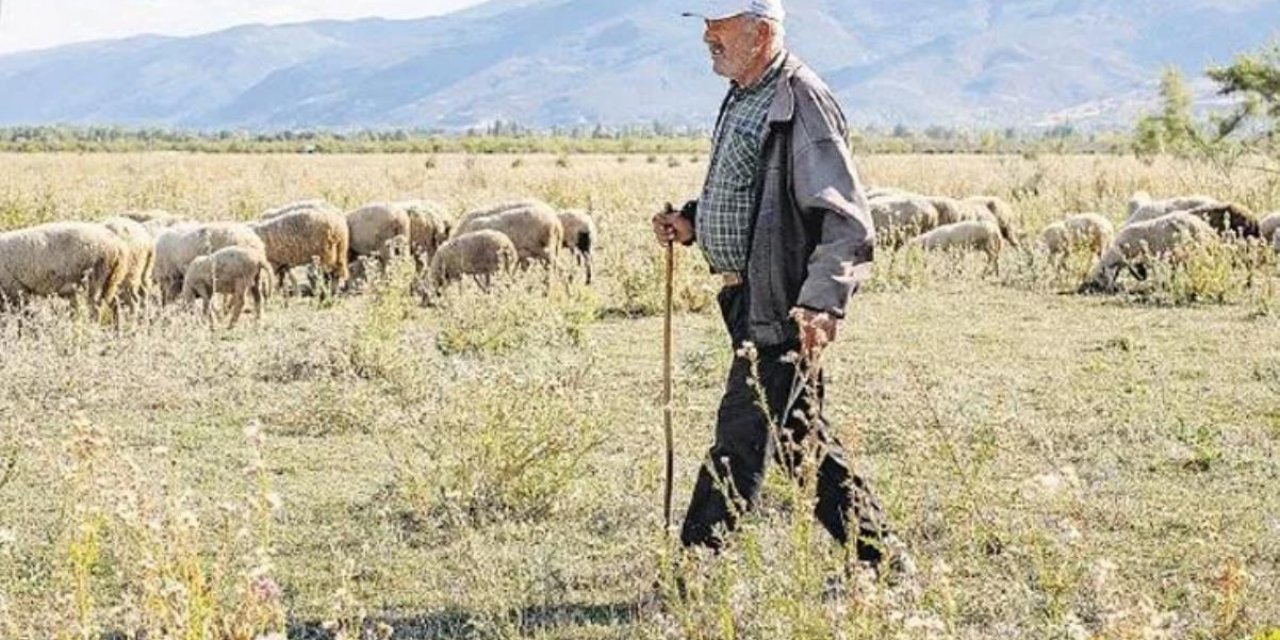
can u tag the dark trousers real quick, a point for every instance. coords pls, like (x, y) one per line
(743, 445)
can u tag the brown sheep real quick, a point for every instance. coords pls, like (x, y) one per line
(297, 237)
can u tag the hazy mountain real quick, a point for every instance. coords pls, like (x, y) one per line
(564, 62)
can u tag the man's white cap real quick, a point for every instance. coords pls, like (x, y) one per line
(720, 9)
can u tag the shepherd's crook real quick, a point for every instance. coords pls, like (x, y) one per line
(667, 344)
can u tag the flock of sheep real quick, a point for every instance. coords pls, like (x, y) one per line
(126, 262)
(1153, 228)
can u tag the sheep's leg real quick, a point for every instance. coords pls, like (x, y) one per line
(257, 302)
(207, 304)
(237, 306)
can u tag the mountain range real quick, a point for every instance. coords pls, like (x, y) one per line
(545, 63)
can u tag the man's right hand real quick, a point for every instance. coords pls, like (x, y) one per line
(670, 226)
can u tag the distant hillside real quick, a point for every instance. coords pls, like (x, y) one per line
(566, 62)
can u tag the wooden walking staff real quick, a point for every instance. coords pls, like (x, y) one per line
(668, 341)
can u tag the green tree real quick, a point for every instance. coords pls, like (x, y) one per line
(1255, 79)
(1172, 130)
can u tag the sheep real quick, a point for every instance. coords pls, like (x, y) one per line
(1090, 230)
(1002, 212)
(296, 237)
(495, 209)
(968, 234)
(182, 243)
(876, 193)
(1268, 226)
(533, 226)
(899, 217)
(151, 215)
(378, 230)
(301, 205)
(139, 260)
(951, 211)
(1136, 243)
(1142, 207)
(232, 271)
(580, 237)
(1229, 219)
(479, 254)
(62, 259)
(428, 229)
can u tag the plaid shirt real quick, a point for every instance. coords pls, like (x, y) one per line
(729, 197)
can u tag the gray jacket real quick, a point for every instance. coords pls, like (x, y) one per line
(812, 239)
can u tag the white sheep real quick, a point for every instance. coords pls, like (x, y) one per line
(379, 230)
(1090, 230)
(533, 226)
(62, 259)
(305, 234)
(300, 205)
(875, 193)
(234, 272)
(580, 237)
(899, 217)
(1142, 207)
(982, 235)
(479, 254)
(139, 260)
(428, 229)
(1268, 226)
(184, 242)
(1137, 243)
(1005, 216)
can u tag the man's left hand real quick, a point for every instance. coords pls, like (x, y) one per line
(817, 330)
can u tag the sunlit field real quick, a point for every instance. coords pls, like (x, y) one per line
(491, 466)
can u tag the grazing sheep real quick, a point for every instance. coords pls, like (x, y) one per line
(301, 205)
(62, 259)
(151, 215)
(1005, 217)
(580, 237)
(1268, 226)
(875, 193)
(428, 229)
(231, 271)
(1138, 242)
(951, 211)
(983, 235)
(1229, 219)
(533, 226)
(1142, 207)
(139, 260)
(182, 243)
(1090, 230)
(479, 254)
(295, 238)
(495, 209)
(377, 230)
(900, 217)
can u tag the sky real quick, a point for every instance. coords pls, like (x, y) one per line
(38, 24)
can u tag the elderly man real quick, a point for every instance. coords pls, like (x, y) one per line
(783, 221)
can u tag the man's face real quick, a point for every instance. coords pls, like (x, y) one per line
(733, 43)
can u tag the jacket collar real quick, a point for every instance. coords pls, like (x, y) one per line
(783, 107)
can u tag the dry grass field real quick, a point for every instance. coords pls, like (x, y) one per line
(1061, 466)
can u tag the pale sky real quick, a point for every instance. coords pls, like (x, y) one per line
(37, 24)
